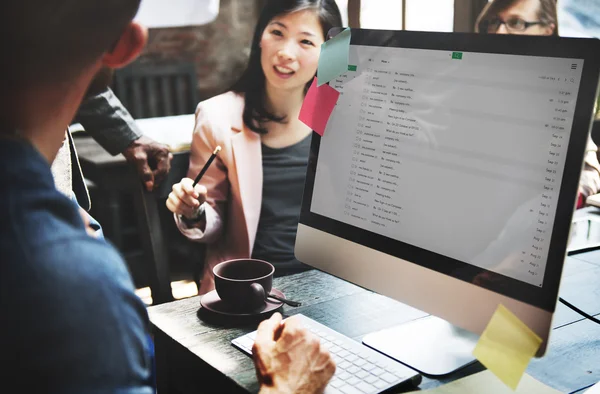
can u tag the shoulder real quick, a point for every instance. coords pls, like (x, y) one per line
(86, 260)
(52, 244)
(229, 102)
(89, 273)
(81, 290)
(71, 270)
(71, 296)
(221, 113)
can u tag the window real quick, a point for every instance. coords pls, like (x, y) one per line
(422, 15)
(381, 14)
(343, 6)
(430, 15)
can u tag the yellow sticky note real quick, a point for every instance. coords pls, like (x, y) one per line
(486, 382)
(506, 347)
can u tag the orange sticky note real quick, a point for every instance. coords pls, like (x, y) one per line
(506, 347)
(317, 106)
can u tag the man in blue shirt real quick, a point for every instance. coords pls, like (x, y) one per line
(71, 322)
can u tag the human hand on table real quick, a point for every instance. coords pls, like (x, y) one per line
(289, 359)
(185, 199)
(151, 159)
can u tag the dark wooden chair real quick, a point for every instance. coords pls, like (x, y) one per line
(156, 254)
(149, 91)
(156, 244)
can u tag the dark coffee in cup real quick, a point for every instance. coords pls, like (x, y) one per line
(238, 282)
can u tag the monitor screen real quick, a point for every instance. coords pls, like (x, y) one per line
(452, 159)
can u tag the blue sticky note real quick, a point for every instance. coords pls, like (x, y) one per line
(335, 55)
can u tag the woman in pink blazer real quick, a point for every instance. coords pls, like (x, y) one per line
(248, 202)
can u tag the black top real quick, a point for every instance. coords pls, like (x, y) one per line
(284, 171)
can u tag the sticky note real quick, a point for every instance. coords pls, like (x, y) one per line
(317, 106)
(335, 55)
(486, 382)
(595, 389)
(506, 347)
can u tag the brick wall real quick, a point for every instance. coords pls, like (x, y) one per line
(219, 49)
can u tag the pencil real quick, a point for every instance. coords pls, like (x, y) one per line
(205, 168)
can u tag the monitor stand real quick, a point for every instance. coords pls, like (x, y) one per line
(429, 345)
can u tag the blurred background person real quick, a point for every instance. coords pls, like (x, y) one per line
(539, 17)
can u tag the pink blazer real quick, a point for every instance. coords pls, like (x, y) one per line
(234, 182)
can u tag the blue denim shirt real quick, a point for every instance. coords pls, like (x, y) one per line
(71, 322)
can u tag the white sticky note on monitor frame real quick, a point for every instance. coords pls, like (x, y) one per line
(177, 13)
(595, 389)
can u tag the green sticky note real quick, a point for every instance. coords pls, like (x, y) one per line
(335, 55)
(457, 55)
(352, 67)
(506, 347)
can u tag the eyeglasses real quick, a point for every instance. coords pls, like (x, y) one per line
(513, 24)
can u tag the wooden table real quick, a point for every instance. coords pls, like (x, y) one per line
(194, 353)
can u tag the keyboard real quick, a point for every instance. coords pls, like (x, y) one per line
(360, 369)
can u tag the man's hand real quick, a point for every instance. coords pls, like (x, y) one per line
(289, 359)
(152, 160)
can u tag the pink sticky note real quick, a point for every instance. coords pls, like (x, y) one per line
(317, 106)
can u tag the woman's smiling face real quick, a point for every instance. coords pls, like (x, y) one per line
(290, 48)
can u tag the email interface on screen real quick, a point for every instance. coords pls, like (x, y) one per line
(458, 153)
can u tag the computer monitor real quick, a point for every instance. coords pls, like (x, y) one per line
(447, 177)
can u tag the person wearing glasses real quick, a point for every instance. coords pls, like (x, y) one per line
(538, 17)
(531, 17)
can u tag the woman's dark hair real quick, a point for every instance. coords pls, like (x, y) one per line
(546, 13)
(252, 81)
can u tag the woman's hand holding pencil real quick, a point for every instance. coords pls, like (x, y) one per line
(188, 196)
(186, 199)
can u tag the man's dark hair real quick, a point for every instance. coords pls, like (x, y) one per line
(52, 40)
(252, 81)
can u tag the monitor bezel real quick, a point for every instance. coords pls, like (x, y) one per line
(543, 297)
